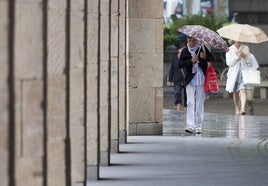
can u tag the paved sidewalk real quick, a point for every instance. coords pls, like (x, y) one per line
(232, 150)
(219, 105)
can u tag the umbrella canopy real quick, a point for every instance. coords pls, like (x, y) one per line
(205, 35)
(243, 33)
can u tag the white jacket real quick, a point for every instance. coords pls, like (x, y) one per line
(233, 62)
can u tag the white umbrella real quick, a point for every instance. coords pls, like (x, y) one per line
(243, 33)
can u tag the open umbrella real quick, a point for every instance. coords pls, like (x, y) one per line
(205, 35)
(243, 33)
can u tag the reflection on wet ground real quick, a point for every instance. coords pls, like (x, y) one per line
(218, 125)
(232, 150)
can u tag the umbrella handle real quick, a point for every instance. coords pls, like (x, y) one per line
(199, 50)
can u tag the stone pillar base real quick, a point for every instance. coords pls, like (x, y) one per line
(114, 146)
(122, 137)
(136, 129)
(92, 172)
(104, 158)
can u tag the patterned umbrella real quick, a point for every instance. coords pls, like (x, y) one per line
(205, 35)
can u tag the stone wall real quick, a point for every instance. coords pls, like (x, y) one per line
(64, 105)
(145, 67)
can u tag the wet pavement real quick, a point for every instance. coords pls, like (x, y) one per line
(218, 125)
(232, 150)
(219, 105)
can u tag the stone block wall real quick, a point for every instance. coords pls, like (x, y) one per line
(145, 67)
(63, 80)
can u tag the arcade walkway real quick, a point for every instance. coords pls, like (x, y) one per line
(233, 150)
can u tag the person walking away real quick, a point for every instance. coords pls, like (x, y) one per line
(176, 79)
(194, 59)
(236, 59)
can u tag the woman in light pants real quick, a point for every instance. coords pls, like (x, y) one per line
(195, 109)
(194, 59)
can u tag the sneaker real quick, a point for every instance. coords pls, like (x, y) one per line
(198, 130)
(189, 129)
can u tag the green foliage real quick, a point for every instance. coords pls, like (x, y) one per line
(171, 34)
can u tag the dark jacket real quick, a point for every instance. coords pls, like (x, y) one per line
(175, 73)
(187, 64)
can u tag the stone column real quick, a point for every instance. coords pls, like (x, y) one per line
(145, 67)
(122, 73)
(93, 67)
(114, 77)
(104, 83)
(29, 88)
(77, 118)
(56, 93)
(4, 95)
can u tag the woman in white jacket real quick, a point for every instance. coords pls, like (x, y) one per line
(236, 59)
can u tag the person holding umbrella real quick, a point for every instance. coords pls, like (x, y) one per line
(237, 58)
(194, 59)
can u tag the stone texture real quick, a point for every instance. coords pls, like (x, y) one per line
(122, 93)
(145, 67)
(18, 118)
(56, 39)
(56, 108)
(114, 101)
(142, 105)
(28, 40)
(104, 158)
(145, 70)
(92, 172)
(93, 7)
(34, 173)
(149, 129)
(104, 83)
(77, 39)
(77, 97)
(32, 115)
(145, 8)
(92, 92)
(4, 121)
(104, 7)
(159, 38)
(114, 76)
(122, 73)
(77, 91)
(141, 30)
(56, 162)
(56, 93)
(114, 145)
(123, 136)
(78, 153)
(159, 105)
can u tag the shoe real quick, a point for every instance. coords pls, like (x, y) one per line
(189, 129)
(198, 130)
(243, 113)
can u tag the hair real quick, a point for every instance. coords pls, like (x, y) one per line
(231, 42)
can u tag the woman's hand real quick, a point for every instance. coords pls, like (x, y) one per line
(241, 54)
(203, 55)
(194, 59)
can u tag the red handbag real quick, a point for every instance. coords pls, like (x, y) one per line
(211, 84)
